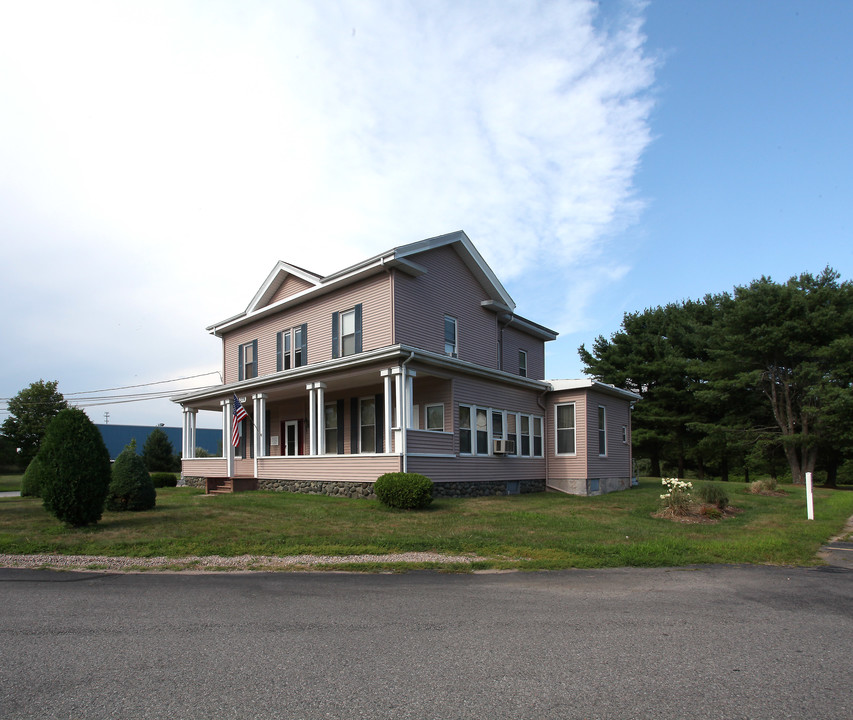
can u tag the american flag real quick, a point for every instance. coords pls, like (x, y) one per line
(239, 414)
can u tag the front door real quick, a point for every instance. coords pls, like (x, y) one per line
(291, 437)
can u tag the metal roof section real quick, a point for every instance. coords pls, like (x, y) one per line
(587, 384)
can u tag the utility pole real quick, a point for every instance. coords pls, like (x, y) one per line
(107, 418)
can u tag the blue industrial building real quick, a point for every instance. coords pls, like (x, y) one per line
(117, 437)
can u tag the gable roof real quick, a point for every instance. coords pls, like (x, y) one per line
(586, 383)
(404, 258)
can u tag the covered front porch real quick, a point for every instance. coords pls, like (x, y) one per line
(343, 425)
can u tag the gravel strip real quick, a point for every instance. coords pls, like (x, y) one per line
(216, 562)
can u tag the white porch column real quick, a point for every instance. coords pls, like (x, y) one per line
(321, 418)
(399, 408)
(410, 396)
(312, 419)
(260, 401)
(388, 414)
(189, 430)
(227, 447)
(184, 432)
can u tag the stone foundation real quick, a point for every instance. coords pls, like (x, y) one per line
(334, 488)
(589, 486)
(337, 488)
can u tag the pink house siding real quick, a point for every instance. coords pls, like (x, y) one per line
(513, 341)
(618, 456)
(373, 294)
(447, 288)
(338, 468)
(474, 469)
(291, 286)
(563, 467)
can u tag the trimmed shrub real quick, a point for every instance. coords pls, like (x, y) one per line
(31, 482)
(407, 491)
(131, 487)
(75, 469)
(164, 479)
(758, 487)
(714, 494)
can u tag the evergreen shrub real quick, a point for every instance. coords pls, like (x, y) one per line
(714, 494)
(407, 491)
(164, 479)
(75, 469)
(31, 482)
(131, 487)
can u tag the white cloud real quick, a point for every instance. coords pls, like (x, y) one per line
(157, 158)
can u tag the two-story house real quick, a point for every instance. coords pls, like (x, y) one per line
(412, 360)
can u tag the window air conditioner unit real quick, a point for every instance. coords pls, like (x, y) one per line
(500, 447)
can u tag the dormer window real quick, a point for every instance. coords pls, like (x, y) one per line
(451, 346)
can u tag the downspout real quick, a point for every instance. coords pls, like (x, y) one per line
(404, 421)
(540, 401)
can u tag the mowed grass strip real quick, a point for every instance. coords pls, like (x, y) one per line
(541, 531)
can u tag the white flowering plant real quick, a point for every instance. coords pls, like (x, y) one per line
(677, 496)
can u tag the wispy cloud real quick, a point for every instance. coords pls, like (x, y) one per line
(157, 158)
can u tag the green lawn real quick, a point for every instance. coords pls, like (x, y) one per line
(10, 483)
(541, 531)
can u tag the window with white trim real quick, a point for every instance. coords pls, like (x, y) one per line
(435, 418)
(538, 450)
(248, 360)
(465, 447)
(522, 363)
(602, 431)
(565, 428)
(367, 419)
(330, 426)
(525, 436)
(291, 349)
(451, 337)
(482, 417)
(624, 434)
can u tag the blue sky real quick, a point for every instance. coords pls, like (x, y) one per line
(158, 158)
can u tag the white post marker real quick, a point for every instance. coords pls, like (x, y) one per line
(809, 500)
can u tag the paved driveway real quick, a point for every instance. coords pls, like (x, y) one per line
(711, 642)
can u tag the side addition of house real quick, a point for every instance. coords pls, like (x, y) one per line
(413, 360)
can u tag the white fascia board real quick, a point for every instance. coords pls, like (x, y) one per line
(271, 284)
(586, 383)
(294, 374)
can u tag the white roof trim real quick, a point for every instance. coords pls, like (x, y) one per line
(275, 280)
(586, 383)
(396, 257)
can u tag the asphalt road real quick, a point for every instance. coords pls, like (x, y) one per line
(710, 642)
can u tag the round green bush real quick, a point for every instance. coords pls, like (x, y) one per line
(407, 491)
(714, 494)
(131, 487)
(164, 479)
(75, 469)
(31, 482)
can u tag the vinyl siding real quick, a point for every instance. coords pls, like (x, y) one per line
(447, 288)
(351, 468)
(515, 340)
(471, 469)
(374, 295)
(291, 286)
(587, 463)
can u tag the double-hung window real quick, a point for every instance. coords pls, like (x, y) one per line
(602, 431)
(346, 332)
(525, 435)
(465, 446)
(451, 344)
(367, 425)
(522, 363)
(565, 428)
(537, 437)
(330, 426)
(248, 360)
(291, 348)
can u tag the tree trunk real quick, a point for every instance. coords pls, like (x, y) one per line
(831, 474)
(655, 460)
(724, 469)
